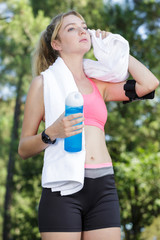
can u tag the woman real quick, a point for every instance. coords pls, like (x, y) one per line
(93, 212)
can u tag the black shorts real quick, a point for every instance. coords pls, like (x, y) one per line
(96, 206)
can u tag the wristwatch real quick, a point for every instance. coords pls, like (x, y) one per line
(46, 138)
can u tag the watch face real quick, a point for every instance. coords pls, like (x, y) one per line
(45, 138)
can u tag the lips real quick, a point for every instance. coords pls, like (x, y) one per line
(84, 40)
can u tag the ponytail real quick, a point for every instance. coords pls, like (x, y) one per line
(43, 56)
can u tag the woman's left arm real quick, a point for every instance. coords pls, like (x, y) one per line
(146, 82)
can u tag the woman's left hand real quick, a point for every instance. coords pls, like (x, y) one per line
(104, 34)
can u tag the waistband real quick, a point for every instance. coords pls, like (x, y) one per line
(98, 172)
(99, 165)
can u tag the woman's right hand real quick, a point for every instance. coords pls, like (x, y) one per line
(65, 126)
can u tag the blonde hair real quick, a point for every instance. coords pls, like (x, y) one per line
(44, 55)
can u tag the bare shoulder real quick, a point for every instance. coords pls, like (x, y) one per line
(36, 87)
(34, 100)
(37, 81)
(34, 107)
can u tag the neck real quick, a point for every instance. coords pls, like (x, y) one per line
(75, 65)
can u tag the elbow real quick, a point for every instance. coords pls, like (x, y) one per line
(145, 89)
(21, 153)
(155, 84)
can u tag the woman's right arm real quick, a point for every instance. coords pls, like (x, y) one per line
(30, 142)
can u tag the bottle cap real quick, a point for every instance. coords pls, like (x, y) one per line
(74, 99)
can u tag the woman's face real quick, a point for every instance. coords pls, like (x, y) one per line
(74, 37)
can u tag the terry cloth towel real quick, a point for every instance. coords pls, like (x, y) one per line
(112, 54)
(62, 171)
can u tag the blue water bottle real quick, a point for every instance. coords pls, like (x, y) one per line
(73, 104)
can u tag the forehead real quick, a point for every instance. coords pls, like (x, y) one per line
(72, 19)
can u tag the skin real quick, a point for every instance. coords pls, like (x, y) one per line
(73, 42)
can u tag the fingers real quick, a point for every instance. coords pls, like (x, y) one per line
(74, 116)
(98, 32)
(101, 33)
(72, 124)
(72, 119)
(67, 126)
(73, 130)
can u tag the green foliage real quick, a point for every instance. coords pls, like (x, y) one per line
(153, 231)
(6, 117)
(18, 38)
(27, 181)
(92, 11)
(138, 181)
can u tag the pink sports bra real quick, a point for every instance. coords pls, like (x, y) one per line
(95, 111)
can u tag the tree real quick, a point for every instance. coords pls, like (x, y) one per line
(18, 39)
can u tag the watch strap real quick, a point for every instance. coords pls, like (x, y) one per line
(46, 139)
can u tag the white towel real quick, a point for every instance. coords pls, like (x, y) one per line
(62, 171)
(112, 54)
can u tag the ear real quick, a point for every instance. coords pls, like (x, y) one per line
(56, 45)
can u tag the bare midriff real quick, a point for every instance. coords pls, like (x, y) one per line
(96, 149)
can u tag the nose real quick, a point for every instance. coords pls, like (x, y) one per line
(81, 30)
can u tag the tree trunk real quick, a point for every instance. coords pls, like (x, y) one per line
(11, 164)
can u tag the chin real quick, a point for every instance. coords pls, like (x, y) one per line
(86, 49)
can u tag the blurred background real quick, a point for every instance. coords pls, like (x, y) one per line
(132, 130)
